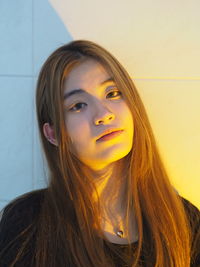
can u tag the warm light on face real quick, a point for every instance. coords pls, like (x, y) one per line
(93, 104)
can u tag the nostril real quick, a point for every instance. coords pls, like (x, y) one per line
(106, 118)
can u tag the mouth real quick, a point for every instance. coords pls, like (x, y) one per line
(110, 136)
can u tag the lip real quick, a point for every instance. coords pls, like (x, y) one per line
(109, 134)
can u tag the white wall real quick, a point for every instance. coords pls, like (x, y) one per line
(30, 30)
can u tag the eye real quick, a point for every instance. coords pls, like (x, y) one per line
(77, 107)
(115, 94)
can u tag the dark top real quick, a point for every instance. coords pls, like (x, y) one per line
(20, 213)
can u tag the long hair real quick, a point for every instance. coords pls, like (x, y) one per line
(68, 227)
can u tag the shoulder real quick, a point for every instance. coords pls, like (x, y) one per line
(28, 203)
(189, 205)
(193, 215)
(19, 214)
(192, 212)
(18, 223)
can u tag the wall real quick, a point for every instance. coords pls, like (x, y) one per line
(30, 31)
(158, 43)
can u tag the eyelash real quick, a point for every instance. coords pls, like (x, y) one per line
(75, 105)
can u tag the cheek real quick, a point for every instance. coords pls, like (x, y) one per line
(130, 120)
(127, 118)
(78, 130)
(125, 114)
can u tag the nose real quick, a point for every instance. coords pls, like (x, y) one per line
(103, 116)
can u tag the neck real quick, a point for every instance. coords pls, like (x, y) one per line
(111, 185)
(111, 189)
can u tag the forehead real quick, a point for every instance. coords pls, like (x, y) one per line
(88, 74)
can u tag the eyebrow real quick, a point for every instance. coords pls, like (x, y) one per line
(80, 91)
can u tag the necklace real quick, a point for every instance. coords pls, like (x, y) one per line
(116, 229)
(120, 233)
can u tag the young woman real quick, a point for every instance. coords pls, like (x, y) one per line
(109, 201)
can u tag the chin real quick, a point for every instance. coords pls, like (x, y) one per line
(115, 156)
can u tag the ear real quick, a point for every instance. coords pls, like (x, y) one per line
(49, 133)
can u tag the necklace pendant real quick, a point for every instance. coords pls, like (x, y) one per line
(120, 233)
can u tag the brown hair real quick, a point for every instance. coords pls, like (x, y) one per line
(69, 221)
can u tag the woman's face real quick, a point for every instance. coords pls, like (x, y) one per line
(89, 112)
